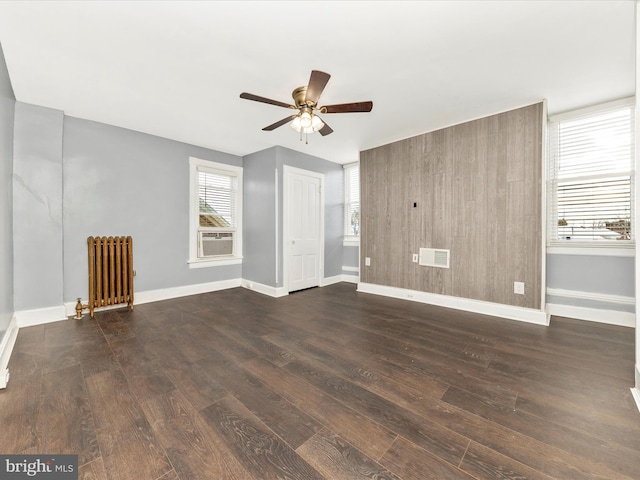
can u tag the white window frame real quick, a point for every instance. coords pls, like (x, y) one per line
(586, 247)
(196, 165)
(350, 240)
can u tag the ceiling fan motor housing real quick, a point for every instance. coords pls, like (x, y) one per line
(299, 97)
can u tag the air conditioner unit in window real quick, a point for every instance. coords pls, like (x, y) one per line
(215, 244)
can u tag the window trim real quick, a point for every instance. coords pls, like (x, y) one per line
(349, 240)
(621, 248)
(221, 168)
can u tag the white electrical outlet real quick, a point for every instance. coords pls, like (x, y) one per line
(518, 288)
(414, 258)
(367, 261)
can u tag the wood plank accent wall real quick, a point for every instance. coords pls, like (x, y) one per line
(478, 190)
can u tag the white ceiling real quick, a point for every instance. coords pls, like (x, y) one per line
(176, 69)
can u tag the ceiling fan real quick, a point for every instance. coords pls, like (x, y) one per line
(306, 119)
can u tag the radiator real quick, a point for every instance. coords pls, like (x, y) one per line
(110, 273)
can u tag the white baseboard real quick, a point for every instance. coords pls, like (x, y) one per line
(38, 316)
(593, 296)
(350, 269)
(636, 396)
(352, 275)
(611, 317)
(275, 292)
(522, 314)
(6, 347)
(184, 290)
(165, 294)
(330, 280)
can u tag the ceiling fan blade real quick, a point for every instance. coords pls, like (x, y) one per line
(256, 98)
(317, 82)
(279, 123)
(326, 130)
(348, 107)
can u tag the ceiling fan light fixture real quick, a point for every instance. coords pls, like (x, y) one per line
(307, 123)
(295, 124)
(305, 119)
(316, 123)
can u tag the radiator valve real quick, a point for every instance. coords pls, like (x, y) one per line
(80, 307)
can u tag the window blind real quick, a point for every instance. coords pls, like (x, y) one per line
(216, 195)
(592, 175)
(352, 200)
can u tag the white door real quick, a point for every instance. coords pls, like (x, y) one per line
(303, 239)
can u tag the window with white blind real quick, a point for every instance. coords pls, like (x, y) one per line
(591, 176)
(215, 214)
(352, 203)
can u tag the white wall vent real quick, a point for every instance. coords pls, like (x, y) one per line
(434, 257)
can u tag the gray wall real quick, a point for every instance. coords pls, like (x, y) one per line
(37, 203)
(7, 106)
(593, 274)
(259, 218)
(77, 178)
(350, 258)
(122, 182)
(333, 207)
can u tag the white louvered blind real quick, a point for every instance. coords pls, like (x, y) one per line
(591, 175)
(352, 201)
(216, 195)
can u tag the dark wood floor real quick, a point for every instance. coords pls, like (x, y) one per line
(323, 384)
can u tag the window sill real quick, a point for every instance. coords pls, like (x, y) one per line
(584, 248)
(214, 263)
(351, 242)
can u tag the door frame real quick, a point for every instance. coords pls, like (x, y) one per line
(287, 171)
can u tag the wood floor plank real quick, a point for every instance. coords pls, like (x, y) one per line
(113, 327)
(432, 437)
(468, 377)
(379, 377)
(359, 430)
(65, 420)
(195, 383)
(261, 452)
(334, 458)
(93, 470)
(414, 463)
(19, 407)
(194, 452)
(124, 434)
(615, 457)
(196, 336)
(535, 454)
(280, 415)
(486, 464)
(143, 371)
(259, 345)
(616, 426)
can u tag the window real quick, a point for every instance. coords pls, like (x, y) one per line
(591, 176)
(352, 204)
(215, 214)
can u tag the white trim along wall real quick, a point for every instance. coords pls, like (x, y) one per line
(6, 347)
